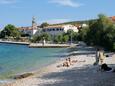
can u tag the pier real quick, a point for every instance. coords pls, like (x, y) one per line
(40, 45)
(13, 42)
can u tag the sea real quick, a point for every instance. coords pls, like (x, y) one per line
(16, 59)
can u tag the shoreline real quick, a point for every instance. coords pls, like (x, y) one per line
(35, 72)
(77, 74)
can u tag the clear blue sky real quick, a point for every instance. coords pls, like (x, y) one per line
(20, 12)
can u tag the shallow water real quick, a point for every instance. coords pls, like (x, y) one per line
(16, 59)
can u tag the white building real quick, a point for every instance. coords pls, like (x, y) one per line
(52, 30)
(59, 29)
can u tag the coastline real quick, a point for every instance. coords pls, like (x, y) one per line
(39, 77)
(36, 72)
(77, 74)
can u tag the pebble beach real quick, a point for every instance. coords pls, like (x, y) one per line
(81, 73)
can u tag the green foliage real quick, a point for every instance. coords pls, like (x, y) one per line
(45, 24)
(72, 35)
(83, 33)
(45, 36)
(114, 46)
(62, 38)
(101, 33)
(35, 39)
(10, 31)
(58, 39)
(65, 38)
(38, 38)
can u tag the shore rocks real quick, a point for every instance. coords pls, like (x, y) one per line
(25, 75)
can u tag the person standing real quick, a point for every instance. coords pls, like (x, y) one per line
(43, 43)
(97, 57)
(101, 56)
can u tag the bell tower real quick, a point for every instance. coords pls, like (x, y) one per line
(34, 24)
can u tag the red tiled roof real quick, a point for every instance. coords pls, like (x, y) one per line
(25, 28)
(56, 26)
(113, 18)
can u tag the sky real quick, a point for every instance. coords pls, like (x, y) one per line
(20, 12)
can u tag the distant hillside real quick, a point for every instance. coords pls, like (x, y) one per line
(77, 22)
(84, 21)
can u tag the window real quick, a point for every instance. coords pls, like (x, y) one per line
(61, 29)
(57, 29)
(53, 29)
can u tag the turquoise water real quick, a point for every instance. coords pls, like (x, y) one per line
(15, 59)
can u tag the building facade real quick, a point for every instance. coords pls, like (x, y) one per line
(52, 30)
(59, 29)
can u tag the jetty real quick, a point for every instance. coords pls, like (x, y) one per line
(40, 45)
(14, 42)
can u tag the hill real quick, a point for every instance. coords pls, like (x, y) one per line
(76, 22)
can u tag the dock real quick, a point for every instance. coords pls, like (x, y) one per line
(12, 42)
(40, 45)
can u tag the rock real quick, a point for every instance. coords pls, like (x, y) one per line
(23, 76)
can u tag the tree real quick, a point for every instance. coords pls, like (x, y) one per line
(109, 38)
(45, 36)
(65, 38)
(10, 31)
(73, 36)
(100, 33)
(83, 34)
(36, 38)
(58, 38)
(45, 24)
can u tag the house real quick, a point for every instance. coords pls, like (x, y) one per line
(113, 18)
(59, 29)
(27, 30)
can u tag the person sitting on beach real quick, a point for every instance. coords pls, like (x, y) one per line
(69, 62)
(104, 67)
(66, 63)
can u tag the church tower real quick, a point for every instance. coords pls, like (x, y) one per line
(34, 24)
